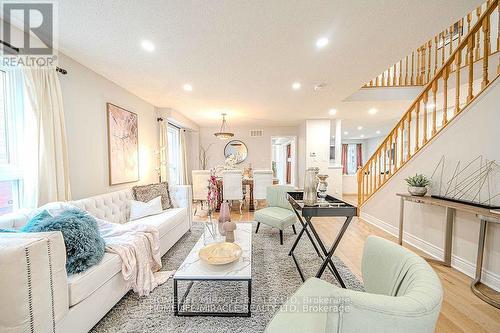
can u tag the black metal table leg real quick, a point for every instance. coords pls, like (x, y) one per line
(332, 250)
(304, 229)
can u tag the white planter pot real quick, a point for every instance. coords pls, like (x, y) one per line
(417, 191)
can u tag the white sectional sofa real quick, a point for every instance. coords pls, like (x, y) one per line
(37, 294)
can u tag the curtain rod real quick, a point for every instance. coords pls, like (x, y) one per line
(58, 69)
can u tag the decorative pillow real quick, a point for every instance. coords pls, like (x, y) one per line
(84, 244)
(146, 193)
(140, 209)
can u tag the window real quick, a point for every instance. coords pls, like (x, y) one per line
(10, 180)
(174, 154)
(352, 161)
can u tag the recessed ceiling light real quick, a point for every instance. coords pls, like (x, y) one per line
(360, 128)
(296, 86)
(378, 132)
(321, 42)
(332, 112)
(346, 133)
(148, 45)
(187, 87)
(362, 136)
(372, 111)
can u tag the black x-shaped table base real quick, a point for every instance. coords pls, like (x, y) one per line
(325, 255)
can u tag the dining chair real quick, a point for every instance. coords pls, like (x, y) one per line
(232, 186)
(261, 180)
(200, 187)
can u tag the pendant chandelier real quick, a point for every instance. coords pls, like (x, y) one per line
(223, 134)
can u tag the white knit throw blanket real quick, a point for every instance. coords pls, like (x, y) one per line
(138, 246)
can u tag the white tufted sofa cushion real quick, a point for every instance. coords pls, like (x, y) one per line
(113, 207)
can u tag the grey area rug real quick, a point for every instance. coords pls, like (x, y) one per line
(274, 278)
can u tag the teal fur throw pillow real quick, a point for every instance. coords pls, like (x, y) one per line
(84, 244)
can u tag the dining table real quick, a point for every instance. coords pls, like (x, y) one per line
(245, 181)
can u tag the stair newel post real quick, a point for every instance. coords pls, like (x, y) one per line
(425, 98)
(470, 47)
(477, 53)
(429, 47)
(445, 95)
(486, 50)
(408, 153)
(360, 180)
(434, 108)
(417, 125)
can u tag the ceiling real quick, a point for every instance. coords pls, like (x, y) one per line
(241, 57)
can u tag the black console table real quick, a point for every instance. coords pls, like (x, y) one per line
(334, 208)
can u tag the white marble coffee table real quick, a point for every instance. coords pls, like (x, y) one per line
(194, 269)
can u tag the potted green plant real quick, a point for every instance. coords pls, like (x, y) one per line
(417, 185)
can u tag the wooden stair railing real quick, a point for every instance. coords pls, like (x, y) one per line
(435, 107)
(417, 68)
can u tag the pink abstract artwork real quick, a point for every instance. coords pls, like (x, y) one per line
(123, 145)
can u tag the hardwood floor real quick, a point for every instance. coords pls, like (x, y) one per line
(461, 311)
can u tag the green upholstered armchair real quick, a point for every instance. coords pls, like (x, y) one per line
(403, 295)
(278, 213)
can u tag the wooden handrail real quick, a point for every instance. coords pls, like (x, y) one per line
(413, 131)
(424, 60)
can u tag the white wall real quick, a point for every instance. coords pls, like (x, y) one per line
(85, 94)
(259, 148)
(474, 133)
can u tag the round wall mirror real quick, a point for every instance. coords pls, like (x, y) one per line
(236, 148)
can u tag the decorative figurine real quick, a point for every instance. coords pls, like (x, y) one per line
(229, 228)
(322, 186)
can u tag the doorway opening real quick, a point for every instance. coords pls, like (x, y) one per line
(284, 159)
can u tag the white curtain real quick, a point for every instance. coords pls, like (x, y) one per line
(183, 158)
(163, 153)
(49, 168)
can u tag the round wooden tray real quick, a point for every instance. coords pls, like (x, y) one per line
(220, 253)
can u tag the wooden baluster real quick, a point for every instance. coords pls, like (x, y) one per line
(384, 151)
(460, 29)
(451, 38)
(422, 65)
(400, 80)
(417, 70)
(442, 47)
(402, 125)
(445, 95)
(458, 60)
(408, 153)
(377, 83)
(469, 18)
(470, 47)
(434, 108)
(390, 154)
(383, 79)
(486, 48)
(406, 71)
(393, 82)
(395, 149)
(380, 167)
(367, 193)
(435, 54)
(429, 61)
(360, 186)
(498, 37)
(477, 54)
(425, 98)
(412, 82)
(417, 126)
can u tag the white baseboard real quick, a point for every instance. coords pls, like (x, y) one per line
(490, 279)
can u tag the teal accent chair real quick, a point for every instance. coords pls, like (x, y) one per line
(278, 213)
(403, 295)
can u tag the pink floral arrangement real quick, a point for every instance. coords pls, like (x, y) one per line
(213, 193)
